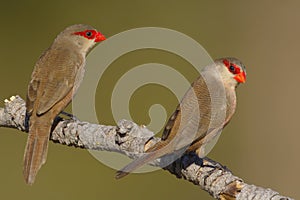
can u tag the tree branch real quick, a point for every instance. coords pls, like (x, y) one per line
(128, 138)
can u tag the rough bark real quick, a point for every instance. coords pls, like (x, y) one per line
(126, 138)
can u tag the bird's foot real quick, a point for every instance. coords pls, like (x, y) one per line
(213, 164)
(191, 158)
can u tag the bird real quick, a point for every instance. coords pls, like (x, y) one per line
(198, 118)
(54, 81)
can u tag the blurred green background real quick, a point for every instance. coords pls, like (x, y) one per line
(260, 145)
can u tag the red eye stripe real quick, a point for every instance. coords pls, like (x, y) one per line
(233, 68)
(89, 34)
(226, 63)
(236, 69)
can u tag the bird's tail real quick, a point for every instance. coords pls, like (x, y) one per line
(157, 151)
(36, 151)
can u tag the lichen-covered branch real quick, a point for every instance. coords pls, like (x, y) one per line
(129, 138)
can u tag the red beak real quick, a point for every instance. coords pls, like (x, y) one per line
(99, 37)
(241, 77)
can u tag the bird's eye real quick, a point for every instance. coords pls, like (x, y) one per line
(232, 68)
(88, 33)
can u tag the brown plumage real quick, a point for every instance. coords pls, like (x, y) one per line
(54, 81)
(203, 112)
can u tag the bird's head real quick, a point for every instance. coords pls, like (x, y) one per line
(84, 36)
(232, 70)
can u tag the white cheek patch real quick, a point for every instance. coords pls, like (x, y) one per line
(86, 46)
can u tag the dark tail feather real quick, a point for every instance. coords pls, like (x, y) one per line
(156, 152)
(135, 165)
(35, 155)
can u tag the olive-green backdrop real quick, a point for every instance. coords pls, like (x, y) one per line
(260, 145)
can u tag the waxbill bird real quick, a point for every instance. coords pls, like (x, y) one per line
(54, 81)
(229, 72)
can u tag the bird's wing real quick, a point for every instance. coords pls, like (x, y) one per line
(190, 116)
(53, 78)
